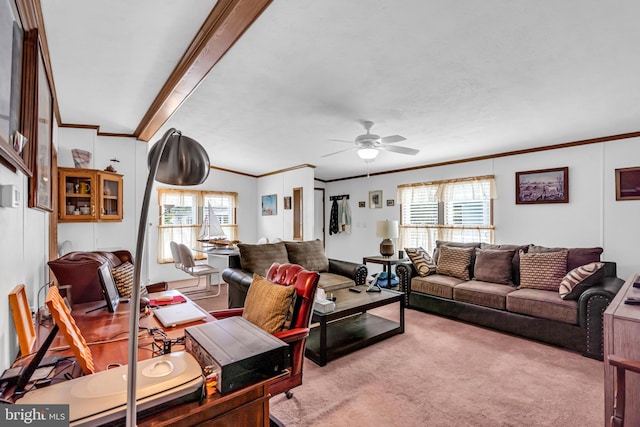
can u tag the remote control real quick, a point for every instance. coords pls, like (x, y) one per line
(355, 290)
(632, 301)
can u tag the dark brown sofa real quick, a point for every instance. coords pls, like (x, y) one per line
(539, 314)
(334, 274)
(79, 271)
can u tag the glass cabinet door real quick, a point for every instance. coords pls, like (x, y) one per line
(77, 189)
(110, 197)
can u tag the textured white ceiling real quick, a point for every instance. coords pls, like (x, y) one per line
(457, 79)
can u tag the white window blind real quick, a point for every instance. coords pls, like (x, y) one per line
(182, 213)
(455, 210)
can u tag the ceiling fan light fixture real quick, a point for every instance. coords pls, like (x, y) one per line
(367, 153)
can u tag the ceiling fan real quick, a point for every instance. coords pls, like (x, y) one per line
(369, 144)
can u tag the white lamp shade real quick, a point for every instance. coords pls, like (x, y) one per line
(387, 229)
(368, 153)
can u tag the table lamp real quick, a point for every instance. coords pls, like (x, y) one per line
(177, 160)
(387, 230)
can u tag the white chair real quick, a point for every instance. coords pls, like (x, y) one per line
(175, 254)
(262, 241)
(190, 267)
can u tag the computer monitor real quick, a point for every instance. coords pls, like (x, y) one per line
(109, 289)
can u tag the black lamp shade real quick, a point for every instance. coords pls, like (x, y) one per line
(184, 161)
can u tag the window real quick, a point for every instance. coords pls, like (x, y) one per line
(184, 217)
(457, 210)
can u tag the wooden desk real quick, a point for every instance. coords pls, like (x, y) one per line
(107, 335)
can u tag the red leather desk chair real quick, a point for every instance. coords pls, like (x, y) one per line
(306, 283)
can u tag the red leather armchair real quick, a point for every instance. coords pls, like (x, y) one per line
(79, 271)
(306, 283)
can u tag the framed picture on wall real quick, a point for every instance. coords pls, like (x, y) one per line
(41, 183)
(269, 205)
(287, 202)
(628, 183)
(543, 186)
(375, 199)
(13, 152)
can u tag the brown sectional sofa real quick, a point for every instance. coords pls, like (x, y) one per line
(539, 314)
(257, 258)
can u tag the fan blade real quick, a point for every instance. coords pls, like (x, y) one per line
(401, 150)
(392, 138)
(337, 152)
(341, 140)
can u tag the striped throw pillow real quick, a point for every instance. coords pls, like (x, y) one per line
(123, 276)
(579, 279)
(421, 260)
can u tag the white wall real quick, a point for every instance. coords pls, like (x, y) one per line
(591, 218)
(108, 236)
(23, 256)
(282, 185)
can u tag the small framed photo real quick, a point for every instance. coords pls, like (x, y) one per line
(362, 204)
(543, 186)
(391, 202)
(287, 202)
(269, 205)
(628, 183)
(375, 199)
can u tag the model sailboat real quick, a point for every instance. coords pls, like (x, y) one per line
(211, 231)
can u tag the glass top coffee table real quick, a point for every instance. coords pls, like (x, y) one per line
(350, 327)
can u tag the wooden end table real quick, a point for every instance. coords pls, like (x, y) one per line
(349, 327)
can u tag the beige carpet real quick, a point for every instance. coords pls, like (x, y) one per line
(442, 372)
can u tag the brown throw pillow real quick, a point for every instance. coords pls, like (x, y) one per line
(515, 262)
(310, 255)
(455, 262)
(267, 304)
(258, 258)
(421, 260)
(542, 270)
(493, 266)
(579, 279)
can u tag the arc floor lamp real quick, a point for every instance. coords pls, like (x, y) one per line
(177, 160)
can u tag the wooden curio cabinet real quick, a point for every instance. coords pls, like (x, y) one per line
(88, 195)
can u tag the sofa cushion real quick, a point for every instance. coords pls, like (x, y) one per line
(435, 284)
(483, 293)
(579, 279)
(455, 261)
(421, 260)
(542, 270)
(331, 282)
(258, 258)
(493, 266)
(515, 262)
(544, 304)
(268, 304)
(576, 256)
(310, 255)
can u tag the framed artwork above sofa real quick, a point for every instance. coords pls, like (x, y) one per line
(543, 186)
